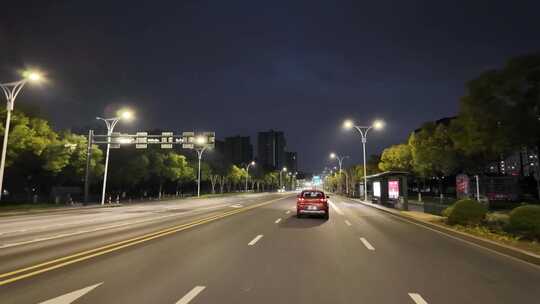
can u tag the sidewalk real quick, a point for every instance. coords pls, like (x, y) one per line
(61, 208)
(435, 222)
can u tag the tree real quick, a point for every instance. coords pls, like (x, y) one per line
(236, 175)
(168, 166)
(397, 157)
(500, 111)
(270, 179)
(433, 152)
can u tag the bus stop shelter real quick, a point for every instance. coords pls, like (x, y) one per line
(389, 188)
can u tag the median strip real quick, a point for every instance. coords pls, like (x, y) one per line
(30, 271)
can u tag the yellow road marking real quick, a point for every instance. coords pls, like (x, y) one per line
(85, 255)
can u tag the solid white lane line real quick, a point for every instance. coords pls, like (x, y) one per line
(288, 211)
(417, 298)
(348, 223)
(255, 240)
(335, 208)
(278, 220)
(72, 296)
(367, 244)
(191, 295)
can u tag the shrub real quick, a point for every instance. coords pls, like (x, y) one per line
(446, 212)
(525, 220)
(466, 212)
(497, 220)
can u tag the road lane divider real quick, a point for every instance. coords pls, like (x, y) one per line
(288, 211)
(348, 223)
(30, 271)
(278, 220)
(367, 244)
(417, 298)
(336, 208)
(191, 295)
(255, 240)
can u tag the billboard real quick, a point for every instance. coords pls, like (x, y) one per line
(462, 185)
(393, 189)
(377, 189)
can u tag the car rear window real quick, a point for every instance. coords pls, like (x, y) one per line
(312, 194)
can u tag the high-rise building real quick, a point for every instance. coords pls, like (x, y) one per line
(291, 161)
(271, 150)
(238, 150)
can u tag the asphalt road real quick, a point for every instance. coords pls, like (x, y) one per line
(250, 249)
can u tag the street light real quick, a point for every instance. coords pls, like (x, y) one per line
(11, 90)
(124, 114)
(284, 169)
(340, 162)
(363, 130)
(251, 164)
(200, 141)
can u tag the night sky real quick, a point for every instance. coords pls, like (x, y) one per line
(238, 67)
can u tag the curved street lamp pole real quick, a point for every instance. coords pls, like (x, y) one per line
(340, 163)
(250, 164)
(284, 169)
(11, 91)
(110, 123)
(363, 130)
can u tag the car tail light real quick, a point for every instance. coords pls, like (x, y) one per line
(301, 199)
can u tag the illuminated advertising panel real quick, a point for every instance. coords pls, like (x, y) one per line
(393, 189)
(377, 189)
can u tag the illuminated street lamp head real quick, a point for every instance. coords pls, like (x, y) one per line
(33, 76)
(253, 163)
(332, 155)
(378, 124)
(125, 114)
(200, 140)
(348, 124)
(284, 169)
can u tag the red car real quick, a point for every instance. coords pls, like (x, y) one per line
(312, 202)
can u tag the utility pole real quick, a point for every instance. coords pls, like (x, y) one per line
(87, 174)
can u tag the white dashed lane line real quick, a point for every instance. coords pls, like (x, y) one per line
(255, 240)
(336, 208)
(348, 223)
(367, 244)
(191, 295)
(288, 211)
(417, 298)
(278, 220)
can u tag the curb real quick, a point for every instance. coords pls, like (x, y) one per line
(485, 243)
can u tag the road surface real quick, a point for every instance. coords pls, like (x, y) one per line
(248, 249)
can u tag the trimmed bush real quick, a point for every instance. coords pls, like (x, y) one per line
(466, 212)
(446, 212)
(525, 220)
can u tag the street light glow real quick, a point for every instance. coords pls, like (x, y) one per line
(253, 163)
(348, 124)
(332, 155)
(125, 114)
(200, 140)
(378, 124)
(284, 169)
(33, 76)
